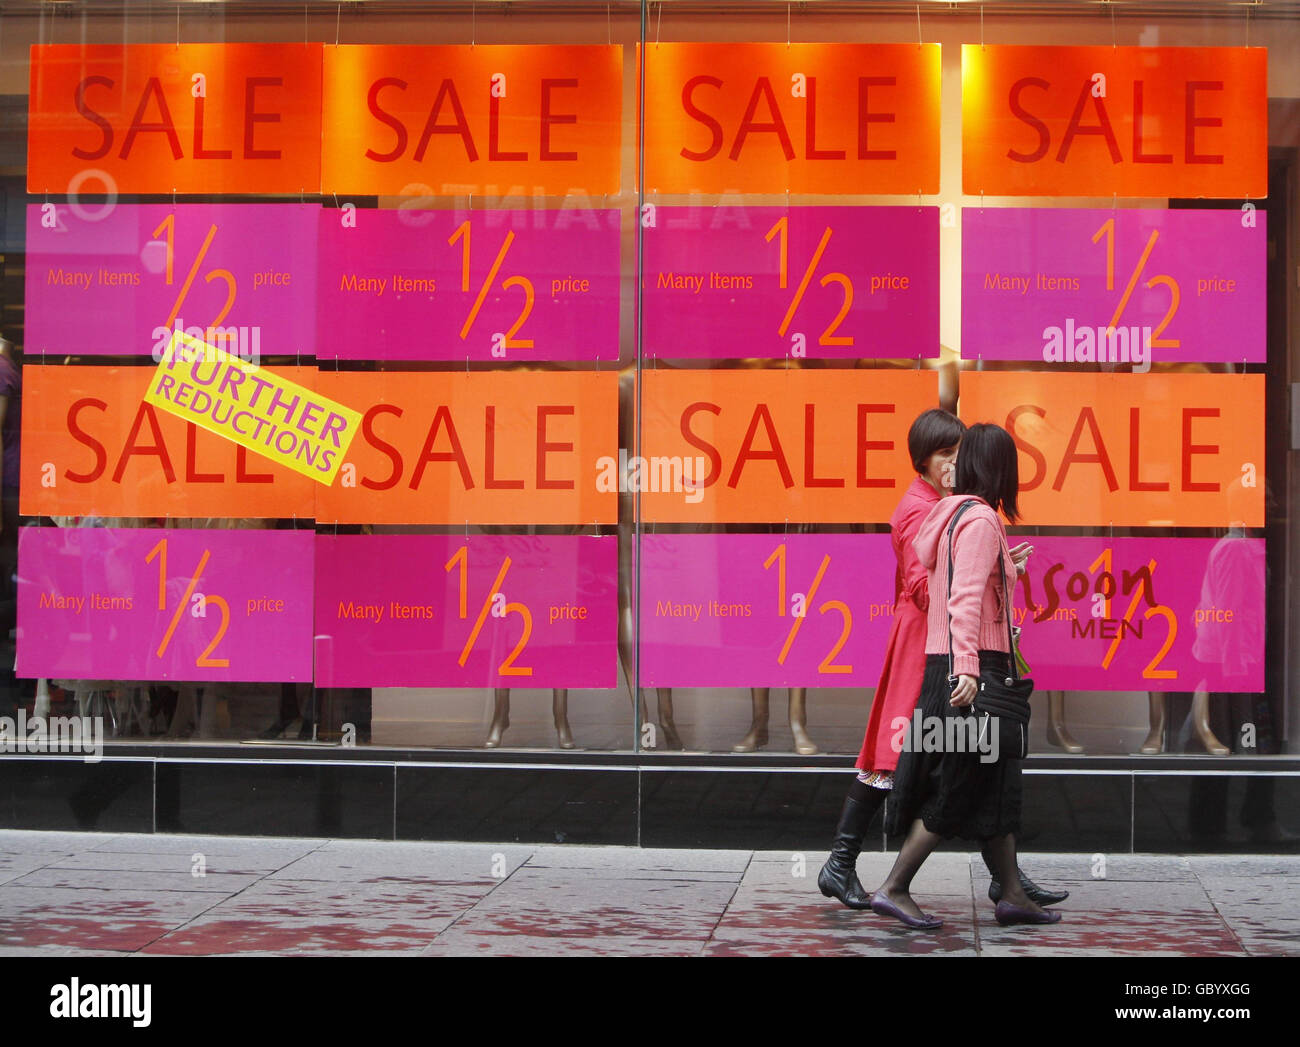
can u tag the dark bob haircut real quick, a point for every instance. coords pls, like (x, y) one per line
(988, 466)
(933, 430)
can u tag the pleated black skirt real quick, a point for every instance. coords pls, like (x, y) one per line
(954, 793)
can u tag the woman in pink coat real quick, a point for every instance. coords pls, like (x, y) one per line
(932, 443)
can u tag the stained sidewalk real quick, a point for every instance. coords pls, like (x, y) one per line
(102, 894)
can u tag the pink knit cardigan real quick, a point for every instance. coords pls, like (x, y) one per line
(981, 566)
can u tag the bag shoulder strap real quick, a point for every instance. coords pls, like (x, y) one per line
(1011, 647)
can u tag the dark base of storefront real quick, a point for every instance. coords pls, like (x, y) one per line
(1173, 805)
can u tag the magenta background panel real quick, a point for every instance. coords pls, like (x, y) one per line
(265, 578)
(711, 282)
(369, 309)
(687, 580)
(1067, 649)
(268, 250)
(388, 611)
(1025, 270)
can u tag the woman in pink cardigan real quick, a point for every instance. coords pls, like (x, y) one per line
(932, 443)
(940, 795)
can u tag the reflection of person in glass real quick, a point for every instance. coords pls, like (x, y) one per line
(947, 794)
(1230, 636)
(1230, 628)
(1230, 622)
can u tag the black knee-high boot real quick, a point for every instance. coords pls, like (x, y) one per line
(839, 876)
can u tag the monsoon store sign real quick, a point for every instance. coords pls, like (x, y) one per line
(253, 407)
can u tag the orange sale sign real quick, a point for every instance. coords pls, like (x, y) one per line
(451, 448)
(92, 446)
(800, 118)
(164, 118)
(458, 119)
(1144, 450)
(1101, 121)
(767, 446)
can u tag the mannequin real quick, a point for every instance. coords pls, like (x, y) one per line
(666, 735)
(757, 735)
(1155, 741)
(1057, 733)
(756, 738)
(501, 695)
(501, 717)
(501, 699)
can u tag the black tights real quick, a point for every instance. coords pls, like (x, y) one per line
(867, 795)
(919, 845)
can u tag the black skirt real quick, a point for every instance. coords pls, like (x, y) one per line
(953, 793)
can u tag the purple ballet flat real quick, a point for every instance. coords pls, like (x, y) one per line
(1007, 914)
(882, 905)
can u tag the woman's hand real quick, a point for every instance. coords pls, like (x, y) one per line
(964, 693)
(1020, 555)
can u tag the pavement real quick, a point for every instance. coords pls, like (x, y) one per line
(97, 894)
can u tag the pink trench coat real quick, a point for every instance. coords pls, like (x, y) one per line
(900, 678)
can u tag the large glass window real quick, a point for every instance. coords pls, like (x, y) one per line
(540, 376)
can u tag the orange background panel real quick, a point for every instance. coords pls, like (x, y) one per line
(506, 470)
(1145, 107)
(362, 79)
(1142, 450)
(211, 477)
(62, 142)
(757, 79)
(841, 436)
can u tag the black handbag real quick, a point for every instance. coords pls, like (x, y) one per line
(1001, 701)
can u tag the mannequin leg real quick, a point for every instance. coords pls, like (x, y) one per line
(1201, 723)
(42, 706)
(1155, 742)
(916, 849)
(757, 736)
(803, 745)
(672, 740)
(183, 716)
(500, 717)
(560, 710)
(288, 711)
(1057, 733)
(643, 714)
(311, 714)
(207, 700)
(214, 713)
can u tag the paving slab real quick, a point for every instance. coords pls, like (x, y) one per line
(108, 880)
(349, 861)
(255, 933)
(664, 859)
(249, 864)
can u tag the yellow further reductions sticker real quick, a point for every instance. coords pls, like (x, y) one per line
(252, 406)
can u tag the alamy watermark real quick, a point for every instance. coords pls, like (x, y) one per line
(946, 734)
(72, 999)
(665, 474)
(76, 735)
(242, 342)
